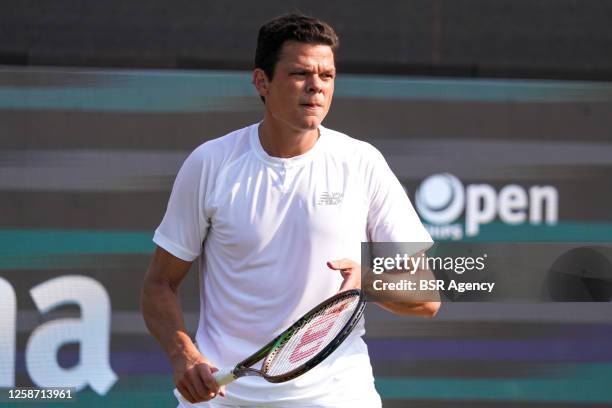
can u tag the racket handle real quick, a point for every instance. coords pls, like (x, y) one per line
(224, 376)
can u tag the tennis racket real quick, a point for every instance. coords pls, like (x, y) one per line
(303, 345)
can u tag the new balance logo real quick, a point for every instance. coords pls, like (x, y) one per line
(330, 198)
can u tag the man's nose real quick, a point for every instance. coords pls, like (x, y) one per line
(315, 85)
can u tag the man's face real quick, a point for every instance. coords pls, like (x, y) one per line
(300, 93)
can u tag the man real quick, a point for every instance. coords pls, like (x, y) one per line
(267, 207)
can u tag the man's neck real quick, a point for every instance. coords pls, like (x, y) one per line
(279, 140)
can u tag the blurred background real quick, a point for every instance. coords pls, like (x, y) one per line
(496, 115)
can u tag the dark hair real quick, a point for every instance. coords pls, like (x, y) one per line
(290, 27)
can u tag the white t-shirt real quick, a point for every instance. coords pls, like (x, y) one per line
(267, 227)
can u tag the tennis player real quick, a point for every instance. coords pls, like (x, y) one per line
(277, 212)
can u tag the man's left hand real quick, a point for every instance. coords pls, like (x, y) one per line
(350, 271)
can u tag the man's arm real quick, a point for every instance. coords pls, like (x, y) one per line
(351, 272)
(424, 303)
(163, 316)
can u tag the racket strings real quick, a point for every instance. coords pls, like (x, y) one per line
(312, 336)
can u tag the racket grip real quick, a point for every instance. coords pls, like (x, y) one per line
(224, 376)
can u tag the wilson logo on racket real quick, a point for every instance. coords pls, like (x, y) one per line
(316, 333)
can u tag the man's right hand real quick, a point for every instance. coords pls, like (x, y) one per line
(194, 380)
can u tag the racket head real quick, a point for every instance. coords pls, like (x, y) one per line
(313, 337)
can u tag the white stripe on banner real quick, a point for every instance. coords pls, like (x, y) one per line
(88, 170)
(127, 170)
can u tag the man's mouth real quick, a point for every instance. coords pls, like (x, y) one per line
(311, 105)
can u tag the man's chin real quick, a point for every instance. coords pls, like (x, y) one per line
(311, 124)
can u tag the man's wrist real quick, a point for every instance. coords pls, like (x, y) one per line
(182, 348)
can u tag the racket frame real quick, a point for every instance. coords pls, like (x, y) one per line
(266, 352)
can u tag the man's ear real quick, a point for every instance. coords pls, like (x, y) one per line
(261, 82)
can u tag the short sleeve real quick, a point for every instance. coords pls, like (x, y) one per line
(184, 225)
(391, 216)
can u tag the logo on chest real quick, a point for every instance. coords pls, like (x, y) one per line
(330, 198)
